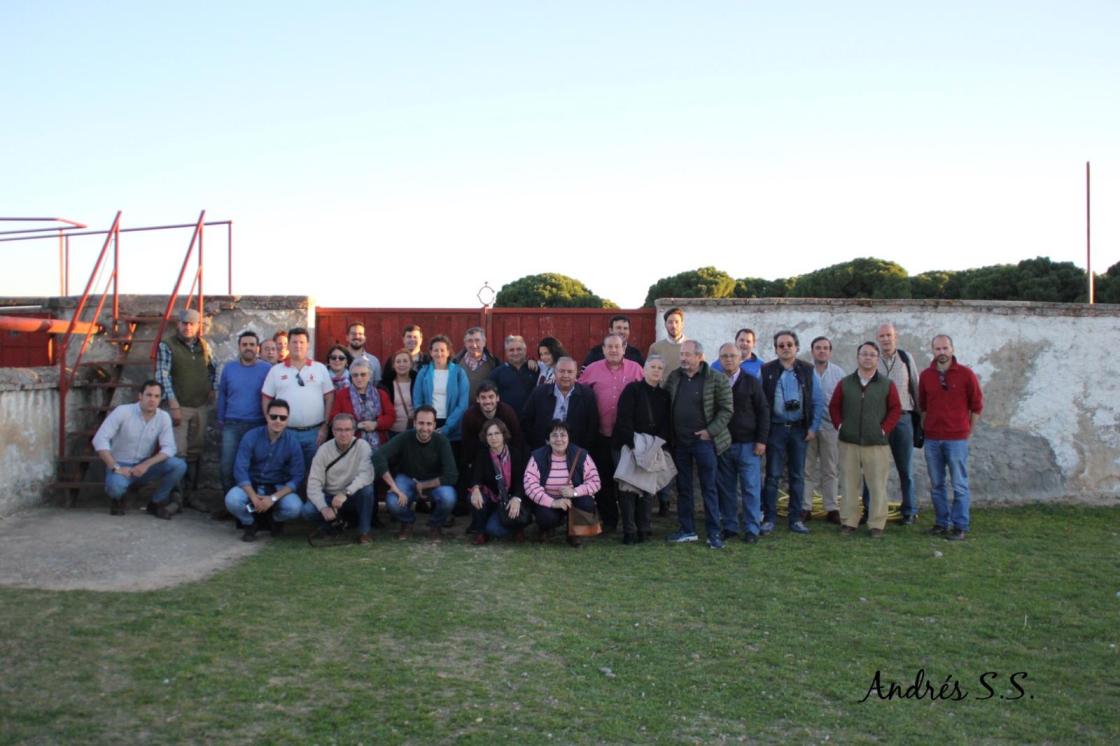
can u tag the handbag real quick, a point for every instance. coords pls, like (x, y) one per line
(581, 522)
(524, 517)
(915, 415)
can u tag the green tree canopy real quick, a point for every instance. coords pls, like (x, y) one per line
(549, 290)
(859, 278)
(936, 284)
(706, 282)
(1107, 289)
(1038, 279)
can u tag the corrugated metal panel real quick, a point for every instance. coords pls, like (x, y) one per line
(25, 349)
(578, 329)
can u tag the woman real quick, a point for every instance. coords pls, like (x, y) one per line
(338, 363)
(643, 409)
(497, 486)
(443, 384)
(548, 352)
(397, 381)
(369, 405)
(558, 476)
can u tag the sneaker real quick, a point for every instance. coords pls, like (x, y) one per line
(714, 542)
(726, 534)
(909, 520)
(767, 528)
(833, 517)
(876, 533)
(749, 538)
(162, 510)
(250, 532)
(681, 537)
(405, 531)
(938, 531)
(955, 535)
(798, 527)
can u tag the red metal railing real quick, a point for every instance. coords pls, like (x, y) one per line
(196, 282)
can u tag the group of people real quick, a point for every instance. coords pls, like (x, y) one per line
(573, 447)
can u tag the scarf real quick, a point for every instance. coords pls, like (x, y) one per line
(367, 407)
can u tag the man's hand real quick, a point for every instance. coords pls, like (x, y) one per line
(810, 436)
(139, 470)
(328, 513)
(262, 504)
(176, 413)
(321, 437)
(703, 434)
(338, 501)
(759, 449)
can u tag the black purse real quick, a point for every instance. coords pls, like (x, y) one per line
(524, 517)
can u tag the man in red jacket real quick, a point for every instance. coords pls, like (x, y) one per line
(950, 401)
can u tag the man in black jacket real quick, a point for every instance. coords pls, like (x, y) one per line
(740, 466)
(796, 408)
(568, 401)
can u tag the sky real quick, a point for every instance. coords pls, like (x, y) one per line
(404, 154)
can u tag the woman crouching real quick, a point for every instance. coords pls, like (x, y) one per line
(558, 476)
(496, 491)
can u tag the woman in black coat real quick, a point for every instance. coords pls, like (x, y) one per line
(497, 489)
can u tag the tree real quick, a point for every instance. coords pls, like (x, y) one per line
(859, 278)
(751, 287)
(548, 290)
(1038, 279)
(706, 282)
(1107, 289)
(937, 284)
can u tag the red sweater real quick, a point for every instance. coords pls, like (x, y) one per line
(948, 409)
(384, 422)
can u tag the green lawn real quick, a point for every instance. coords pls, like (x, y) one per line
(412, 642)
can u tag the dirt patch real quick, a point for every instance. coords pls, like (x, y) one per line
(62, 550)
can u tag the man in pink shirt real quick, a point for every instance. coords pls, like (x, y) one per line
(607, 378)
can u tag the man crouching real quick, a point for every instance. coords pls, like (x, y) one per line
(341, 478)
(268, 467)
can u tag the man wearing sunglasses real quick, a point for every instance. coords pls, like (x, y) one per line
(950, 400)
(268, 469)
(306, 385)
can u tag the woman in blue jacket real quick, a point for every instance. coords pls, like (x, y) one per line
(443, 385)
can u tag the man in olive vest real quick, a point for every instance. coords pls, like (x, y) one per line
(864, 409)
(185, 369)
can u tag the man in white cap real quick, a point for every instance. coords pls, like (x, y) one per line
(185, 370)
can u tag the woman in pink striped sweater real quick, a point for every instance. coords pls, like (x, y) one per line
(557, 477)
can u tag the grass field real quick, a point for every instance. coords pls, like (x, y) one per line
(414, 642)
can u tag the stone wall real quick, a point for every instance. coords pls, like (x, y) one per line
(1051, 423)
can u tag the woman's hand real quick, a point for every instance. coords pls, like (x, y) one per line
(476, 498)
(514, 508)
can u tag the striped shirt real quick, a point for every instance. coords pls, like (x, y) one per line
(546, 494)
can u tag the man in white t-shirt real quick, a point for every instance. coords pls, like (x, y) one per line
(306, 386)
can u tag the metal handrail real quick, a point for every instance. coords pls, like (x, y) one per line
(197, 282)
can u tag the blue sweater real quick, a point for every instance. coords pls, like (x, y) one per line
(458, 392)
(260, 461)
(239, 393)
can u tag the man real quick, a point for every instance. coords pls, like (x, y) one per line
(306, 387)
(607, 378)
(901, 369)
(514, 378)
(239, 402)
(950, 400)
(796, 409)
(356, 338)
(749, 362)
(185, 369)
(413, 341)
(670, 348)
(270, 353)
(565, 400)
(477, 361)
(125, 443)
(701, 406)
(823, 453)
(865, 407)
(341, 478)
(619, 325)
(281, 340)
(487, 405)
(740, 466)
(268, 468)
(425, 470)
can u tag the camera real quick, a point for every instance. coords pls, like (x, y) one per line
(793, 405)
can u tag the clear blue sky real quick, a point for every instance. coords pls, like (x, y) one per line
(404, 153)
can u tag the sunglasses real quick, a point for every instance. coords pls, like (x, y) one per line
(299, 380)
(278, 417)
(337, 357)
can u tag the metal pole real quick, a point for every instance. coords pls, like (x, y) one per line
(61, 263)
(116, 277)
(1088, 235)
(66, 288)
(229, 258)
(201, 297)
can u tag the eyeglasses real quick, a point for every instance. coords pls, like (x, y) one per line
(337, 357)
(786, 345)
(278, 417)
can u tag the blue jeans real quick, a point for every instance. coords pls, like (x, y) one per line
(954, 454)
(740, 474)
(901, 441)
(361, 503)
(704, 453)
(168, 472)
(232, 432)
(443, 500)
(785, 439)
(286, 508)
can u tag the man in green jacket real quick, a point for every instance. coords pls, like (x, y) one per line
(701, 409)
(865, 408)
